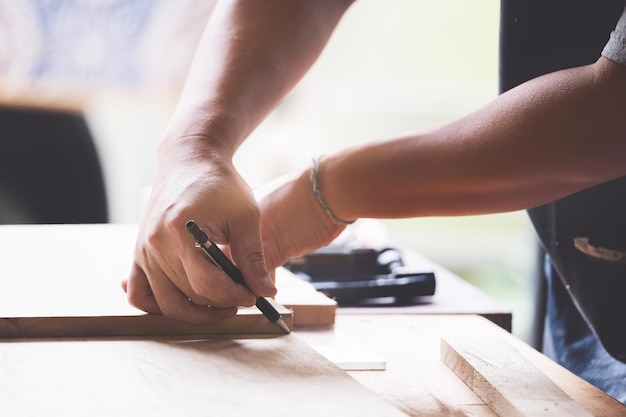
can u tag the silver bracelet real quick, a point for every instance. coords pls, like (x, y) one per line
(316, 190)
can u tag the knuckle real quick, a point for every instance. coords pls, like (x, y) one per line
(255, 256)
(223, 299)
(206, 290)
(201, 287)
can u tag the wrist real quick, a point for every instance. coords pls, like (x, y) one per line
(316, 179)
(202, 128)
(192, 153)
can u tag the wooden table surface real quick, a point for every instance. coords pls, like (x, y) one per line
(420, 384)
(268, 375)
(195, 376)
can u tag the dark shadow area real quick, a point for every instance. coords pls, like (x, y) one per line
(542, 36)
(49, 169)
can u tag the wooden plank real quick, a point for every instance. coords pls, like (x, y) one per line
(75, 270)
(310, 307)
(415, 380)
(420, 384)
(64, 280)
(264, 376)
(247, 321)
(506, 381)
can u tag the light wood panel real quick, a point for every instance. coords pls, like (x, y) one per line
(510, 384)
(247, 321)
(231, 376)
(144, 376)
(64, 280)
(310, 307)
(420, 384)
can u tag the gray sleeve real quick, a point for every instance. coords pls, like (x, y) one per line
(615, 49)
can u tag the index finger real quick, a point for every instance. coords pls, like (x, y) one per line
(210, 281)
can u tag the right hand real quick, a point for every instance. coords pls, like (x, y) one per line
(169, 275)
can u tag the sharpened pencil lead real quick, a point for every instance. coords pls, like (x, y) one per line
(281, 323)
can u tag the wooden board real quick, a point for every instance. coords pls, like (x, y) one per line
(231, 376)
(309, 306)
(420, 384)
(64, 280)
(247, 321)
(507, 382)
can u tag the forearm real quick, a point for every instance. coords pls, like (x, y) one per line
(251, 54)
(541, 141)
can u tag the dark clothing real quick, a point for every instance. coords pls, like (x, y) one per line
(583, 234)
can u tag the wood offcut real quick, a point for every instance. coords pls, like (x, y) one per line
(506, 381)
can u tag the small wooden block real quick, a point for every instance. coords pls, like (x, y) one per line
(310, 307)
(72, 287)
(64, 280)
(506, 381)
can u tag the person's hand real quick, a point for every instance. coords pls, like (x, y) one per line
(293, 222)
(169, 275)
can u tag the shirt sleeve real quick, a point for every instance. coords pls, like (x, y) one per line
(615, 49)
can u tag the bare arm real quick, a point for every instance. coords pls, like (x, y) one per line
(547, 138)
(251, 54)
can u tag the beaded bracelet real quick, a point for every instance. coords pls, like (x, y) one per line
(314, 182)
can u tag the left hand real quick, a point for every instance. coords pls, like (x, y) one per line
(293, 222)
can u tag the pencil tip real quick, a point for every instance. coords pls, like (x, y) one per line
(281, 323)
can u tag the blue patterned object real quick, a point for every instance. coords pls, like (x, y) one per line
(91, 42)
(100, 43)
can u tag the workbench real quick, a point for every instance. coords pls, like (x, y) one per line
(240, 374)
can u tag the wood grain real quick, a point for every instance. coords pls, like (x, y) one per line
(309, 306)
(506, 381)
(421, 385)
(233, 376)
(64, 281)
(67, 278)
(247, 321)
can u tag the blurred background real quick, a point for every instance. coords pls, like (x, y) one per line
(111, 70)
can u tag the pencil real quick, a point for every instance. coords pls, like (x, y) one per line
(216, 255)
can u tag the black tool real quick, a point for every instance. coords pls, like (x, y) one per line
(351, 275)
